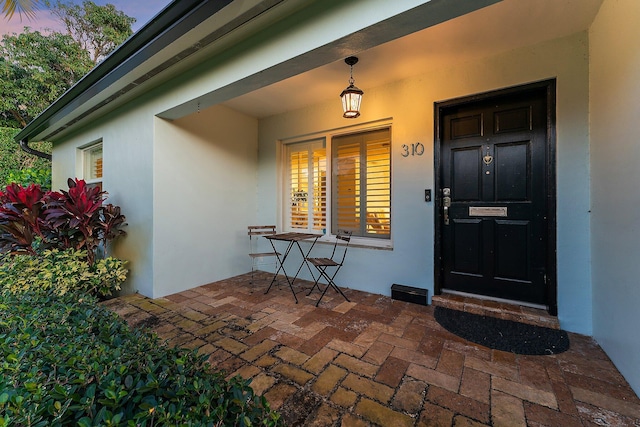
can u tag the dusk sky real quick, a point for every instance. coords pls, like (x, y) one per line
(142, 10)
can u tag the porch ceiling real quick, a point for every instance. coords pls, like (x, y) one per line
(501, 27)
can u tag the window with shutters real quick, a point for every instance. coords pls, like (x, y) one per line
(306, 186)
(361, 189)
(92, 165)
(359, 184)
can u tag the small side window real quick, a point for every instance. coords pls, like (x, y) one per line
(92, 159)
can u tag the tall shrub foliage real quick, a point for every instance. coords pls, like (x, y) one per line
(75, 219)
(18, 166)
(59, 239)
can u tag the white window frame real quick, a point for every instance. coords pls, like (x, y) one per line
(86, 162)
(306, 199)
(283, 184)
(365, 164)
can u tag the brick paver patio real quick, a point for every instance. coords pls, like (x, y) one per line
(376, 361)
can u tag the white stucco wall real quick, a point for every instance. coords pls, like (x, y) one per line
(204, 198)
(127, 139)
(411, 260)
(615, 164)
(186, 187)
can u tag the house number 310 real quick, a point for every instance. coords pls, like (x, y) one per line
(415, 149)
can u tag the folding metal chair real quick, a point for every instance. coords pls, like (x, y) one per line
(258, 257)
(335, 261)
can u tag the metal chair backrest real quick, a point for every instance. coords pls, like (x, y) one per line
(261, 230)
(256, 231)
(266, 256)
(342, 236)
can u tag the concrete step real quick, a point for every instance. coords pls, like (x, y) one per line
(501, 310)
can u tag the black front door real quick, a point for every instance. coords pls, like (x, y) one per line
(493, 221)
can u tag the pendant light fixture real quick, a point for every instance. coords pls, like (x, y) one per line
(351, 96)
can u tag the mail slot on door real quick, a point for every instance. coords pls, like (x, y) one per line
(488, 211)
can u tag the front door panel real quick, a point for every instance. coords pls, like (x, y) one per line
(494, 232)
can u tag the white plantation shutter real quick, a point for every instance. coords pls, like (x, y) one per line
(361, 165)
(378, 190)
(306, 186)
(346, 184)
(319, 206)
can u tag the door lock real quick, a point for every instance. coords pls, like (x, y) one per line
(446, 203)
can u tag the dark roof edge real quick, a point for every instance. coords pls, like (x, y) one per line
(165, 19)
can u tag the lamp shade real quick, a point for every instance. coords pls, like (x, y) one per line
(351, 99)
(351, 96)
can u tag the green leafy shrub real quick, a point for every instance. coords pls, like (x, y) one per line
(107, 275)
(25, 177)
(13, 158)
(60, 272)
(68, 361)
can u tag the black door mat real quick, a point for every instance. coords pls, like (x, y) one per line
(505, 335)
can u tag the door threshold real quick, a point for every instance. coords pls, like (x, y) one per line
(517, 311)
(502, 300)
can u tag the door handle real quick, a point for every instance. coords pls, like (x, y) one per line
(446, 203)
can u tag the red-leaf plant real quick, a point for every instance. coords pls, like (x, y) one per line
(111, 222)
(67, 219)
(21, 217)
